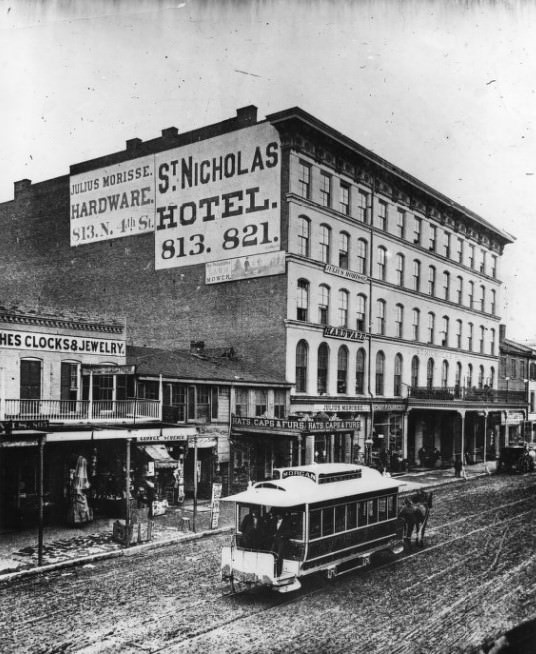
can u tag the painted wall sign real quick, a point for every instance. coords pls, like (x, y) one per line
(343, 333)
(347, 274)
(261, 265)
(109, 370)
(218, 198)
(112, 202)
(300, 425)
(16, 340)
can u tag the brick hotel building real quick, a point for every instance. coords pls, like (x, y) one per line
(375, 296)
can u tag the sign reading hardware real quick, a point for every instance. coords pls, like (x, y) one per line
(346, 334)
(52, 343)
(347, 274)
(218, 198)
(113, 202)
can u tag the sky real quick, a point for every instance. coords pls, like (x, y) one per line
(444, 89)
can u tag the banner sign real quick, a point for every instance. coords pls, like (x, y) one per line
(16, 340)
(262, 265)
(108, 370)
(345, 334)
(8, 426)
(218, 198)
(112, 202)
(343, 272)
(299, 425)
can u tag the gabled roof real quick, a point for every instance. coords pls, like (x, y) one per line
(187, 366)
(508, 346)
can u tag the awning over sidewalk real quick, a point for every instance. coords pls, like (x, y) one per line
(159, 454)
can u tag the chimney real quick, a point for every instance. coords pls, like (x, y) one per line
(21, 186)
(247, 115)
(170, 132)
(133, 145)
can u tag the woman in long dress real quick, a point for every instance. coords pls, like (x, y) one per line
(79, 510)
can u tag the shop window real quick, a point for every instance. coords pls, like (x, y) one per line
(30, 379)
(69, 381)
(241, 402)
(322, 369)
(261, 402)
(280, 397)
(302, 352)
(342, 370)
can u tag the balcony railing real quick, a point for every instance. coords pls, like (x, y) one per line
(481, 395)
(67, 411)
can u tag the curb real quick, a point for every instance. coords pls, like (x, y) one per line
(114, 554)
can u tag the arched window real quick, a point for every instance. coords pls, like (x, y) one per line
(415, 371)
(399, 320)
(343, 308)
(323, 305)
(344, 247)
(482, 335)
(482, 298)
(362, 256)
(397, 381)
(342, 370)
(302, 356)
(470, 337)
(400, 269)
(444, 374)
(492, 341)
(469, 375)
(445, 332)
(459, 327)
(382, 263)
(431, 280)
(380, 370)
(322, 369)
(446, 285)
(325, 243)
(304, 236)
(459, 291)
(458, 380)
(416, 275)
(360, 372)
(361, 313)
(430, 373)
(491, 377)
(416, 323)
(481, 377)
(303, 300)
(380, 306)
(431, 327)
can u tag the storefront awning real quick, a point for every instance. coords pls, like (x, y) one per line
(159, 454)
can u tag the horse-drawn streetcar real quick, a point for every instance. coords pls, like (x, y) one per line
(328, 518)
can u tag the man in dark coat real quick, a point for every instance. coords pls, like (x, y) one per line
(283, 532)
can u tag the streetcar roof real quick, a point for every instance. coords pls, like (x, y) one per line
(314, 483)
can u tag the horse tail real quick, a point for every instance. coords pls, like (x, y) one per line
(429, 500)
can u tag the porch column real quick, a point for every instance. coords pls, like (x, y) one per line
(331, 448)
(90, 396)
(127, 486)
(309, 449)
(161, 398)
(405, 418)
(462, 441)
(300, 437)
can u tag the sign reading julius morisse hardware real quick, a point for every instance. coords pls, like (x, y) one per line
(218, 198)
(113, 202)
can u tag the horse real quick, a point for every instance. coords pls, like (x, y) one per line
(415, 514)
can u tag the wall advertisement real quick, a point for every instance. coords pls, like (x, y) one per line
(262, 265)
(112, 202)
(218, 198)
(19, 340)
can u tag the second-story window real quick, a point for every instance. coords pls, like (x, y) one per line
(344, 198)
(280, 403)
(446, 285)
(304, 179)
(362, 257)
(459, 327)
(261, 402)
(360, 372)
(481, 343)
(344, 241)
(325, 242)
(304, 236)
(400, 269)
(323, 305)
(325, 189)
(361, 318)
(433, 238)
(380, 308)
(445, 332)
(416, 323)
(303, 300)
(401, 223)
(382, 215)
(470, 337)
(343, 308)
(302, 361)
(416, 275)
(459, 290)
(431, 328)
(241, 402)
(399, 320)
(471, 297)
(382, 267)
(482, 298)
(431, 280)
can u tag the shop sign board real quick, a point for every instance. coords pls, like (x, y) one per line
(113, 201)
(22, 340)
(218, 198)
(8, 426)
(345, 334)
(298, 425)
(229, 270)
(347, 274)
(108, 370)
(215, 505)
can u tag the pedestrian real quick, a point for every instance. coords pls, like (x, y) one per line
(283, 532)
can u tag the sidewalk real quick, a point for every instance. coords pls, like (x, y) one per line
(64, 546)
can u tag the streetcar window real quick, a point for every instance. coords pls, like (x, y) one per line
(327, 521)
(382, 508)
(315, 524)
(351, 516)
(362, 513)
(297, 526)
(340, 513)
(372, 510)
(392, 506)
